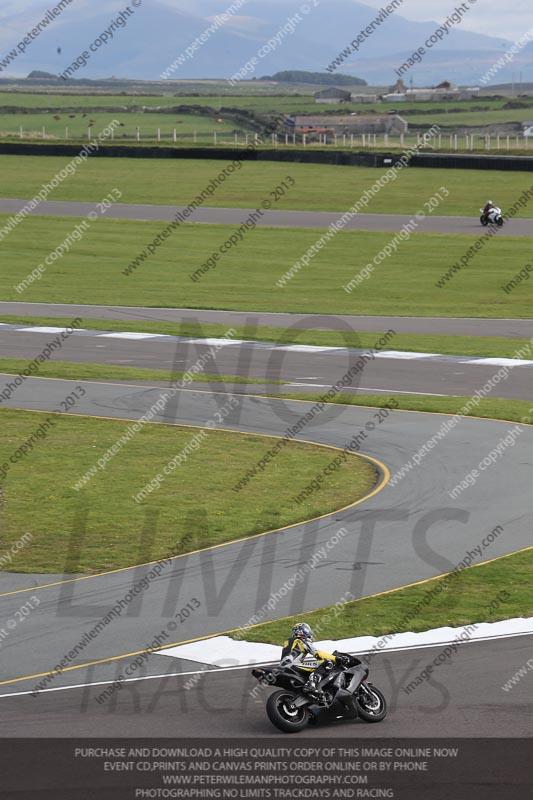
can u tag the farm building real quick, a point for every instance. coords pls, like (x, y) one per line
(352, 123)
(364, 98)
(333, 95)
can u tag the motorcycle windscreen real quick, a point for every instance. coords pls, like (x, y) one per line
(358, 675)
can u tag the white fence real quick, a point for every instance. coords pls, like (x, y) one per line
(447, 141)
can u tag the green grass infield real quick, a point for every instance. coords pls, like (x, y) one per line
(84, 518)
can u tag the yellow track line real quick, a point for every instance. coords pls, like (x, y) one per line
(257, 397)
(233, 630)
(213, 547)
(381, 485)
(125, 385)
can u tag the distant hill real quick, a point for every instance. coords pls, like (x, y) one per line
(157, 36)
(38, 73)
(317, 78)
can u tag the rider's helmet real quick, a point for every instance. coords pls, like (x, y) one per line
(490, 203)
(303, 631)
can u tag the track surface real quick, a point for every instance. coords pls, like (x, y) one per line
(316, 371)
(465, 699)
(276, 219)
(406, 533)
(509, 328)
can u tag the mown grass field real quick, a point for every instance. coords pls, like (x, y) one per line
(245, 278)
(488, 408)
(111, 372)
(463, 600)
(422, 343)
(147, 123)
(317, 188)
(298, 99)
(100, 527)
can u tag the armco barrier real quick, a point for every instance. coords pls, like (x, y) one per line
(367, 159)
(471, 161)
(302, 156)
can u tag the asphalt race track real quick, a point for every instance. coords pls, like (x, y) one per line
(509, 328)
(300, 368)
(409, 530)
(466, 700)
(405, 533)
(283, 219)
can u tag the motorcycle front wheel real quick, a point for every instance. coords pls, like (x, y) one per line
(371, 703)
(483, 220)
(283, 715)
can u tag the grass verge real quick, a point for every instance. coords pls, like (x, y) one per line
(501, 409)
(247, 277)
(319, 187)
(101, 527)
(110, 372)
(464, 599)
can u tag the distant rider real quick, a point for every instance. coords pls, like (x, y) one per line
(488, 206)
(300, 651)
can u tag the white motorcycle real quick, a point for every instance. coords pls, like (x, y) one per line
(494, 217)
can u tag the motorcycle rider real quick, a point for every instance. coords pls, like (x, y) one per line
(300, 651)
(488, 206)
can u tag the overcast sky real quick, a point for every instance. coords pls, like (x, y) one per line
(492, 17)
(511, 19)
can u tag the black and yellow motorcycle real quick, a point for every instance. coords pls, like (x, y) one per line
(343, 693)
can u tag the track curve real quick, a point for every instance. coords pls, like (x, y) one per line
(409, 532)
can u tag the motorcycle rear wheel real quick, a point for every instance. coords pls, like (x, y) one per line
(371, 704)
(283, 716)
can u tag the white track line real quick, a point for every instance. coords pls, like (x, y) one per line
(218, 670)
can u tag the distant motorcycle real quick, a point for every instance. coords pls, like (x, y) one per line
(343, 693)
(494, 217)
